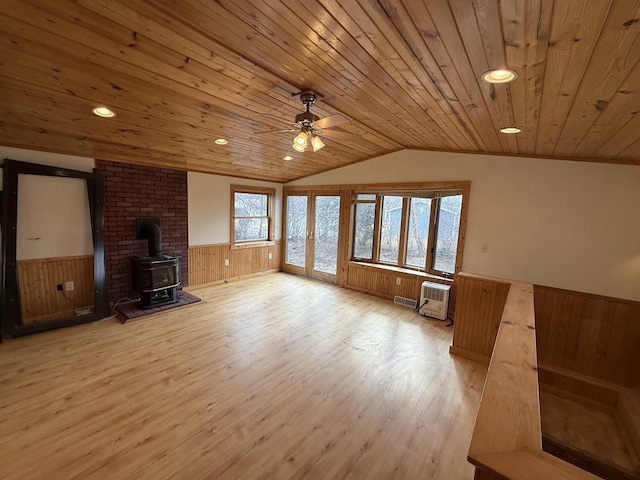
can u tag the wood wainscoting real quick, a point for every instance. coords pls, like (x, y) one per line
(590, 335)
(480, 304)
(40, 301)
(381, 281)
(586, 334)
(207, 262)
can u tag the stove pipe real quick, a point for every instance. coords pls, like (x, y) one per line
(149, 228)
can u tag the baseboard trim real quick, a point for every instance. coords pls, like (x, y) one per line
(469, 355)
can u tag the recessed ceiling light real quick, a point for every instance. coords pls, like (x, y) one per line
(103, 112)
(221, 141)
(499, 76)
(287, 158)
(510, 130)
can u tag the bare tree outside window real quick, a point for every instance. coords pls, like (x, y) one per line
(327, 224)
(296, 230)
(390, 229)
(418, 231)
(251, 216)
(363, 230)
(446, 245)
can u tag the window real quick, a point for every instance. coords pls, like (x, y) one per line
(251, 214)
(417, 229)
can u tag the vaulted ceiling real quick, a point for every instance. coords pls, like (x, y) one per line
(407, 73)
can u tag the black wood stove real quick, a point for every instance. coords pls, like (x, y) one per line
(155, 277)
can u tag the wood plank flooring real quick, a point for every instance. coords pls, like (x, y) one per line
(271, 377)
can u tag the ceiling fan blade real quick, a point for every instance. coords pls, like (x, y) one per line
(279, 130)
(338, 134)
(332, 121)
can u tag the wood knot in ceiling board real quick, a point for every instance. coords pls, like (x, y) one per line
(511, 43)
(492, 92)
(134, 35)
(429, 34)
(601, 105)
(625, 92)
(628, 23)
(115, 87)
(185, 62)
(575, 39)
(471, 106)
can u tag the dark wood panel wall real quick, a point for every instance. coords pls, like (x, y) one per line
(134, 191)
(590, 335)
(577, 333)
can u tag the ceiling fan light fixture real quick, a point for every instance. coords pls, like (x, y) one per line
(301, 140)
(298, 148)
(499, 76)
(287, 158)
(316, 143)
(510, 130)
(221, 141)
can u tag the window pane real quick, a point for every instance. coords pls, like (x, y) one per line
(296, 230)
(390, 229)
(446, 245)
(250, 204)
(251, 229)
(325, 253)
(418, 233)
(363, 230)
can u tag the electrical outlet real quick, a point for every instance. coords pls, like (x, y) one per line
(270, 255)
(226, 262)
(59, 287)
(398, 281)
(69, 287)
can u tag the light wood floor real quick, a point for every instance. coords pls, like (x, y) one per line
(273, 377)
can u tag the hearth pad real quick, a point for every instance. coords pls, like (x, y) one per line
(128, 311)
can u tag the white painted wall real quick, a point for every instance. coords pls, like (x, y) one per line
(53, 212)
(210, 207)
(573, 225)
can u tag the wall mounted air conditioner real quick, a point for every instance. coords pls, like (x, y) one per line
(434, 300)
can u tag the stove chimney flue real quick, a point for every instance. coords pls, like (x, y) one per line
(149, 229)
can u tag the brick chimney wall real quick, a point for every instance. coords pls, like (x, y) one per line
(131, 192)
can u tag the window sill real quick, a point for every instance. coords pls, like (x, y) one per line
(405, 271)
(263, 243)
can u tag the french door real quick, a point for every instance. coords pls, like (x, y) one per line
(312, 223)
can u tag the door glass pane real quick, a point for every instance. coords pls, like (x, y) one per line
(390, 228)
(446, 246)
(363, 230)
(325, 253)
(418, 233)
(296, 230)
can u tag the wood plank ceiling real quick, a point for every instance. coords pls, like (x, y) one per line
(407, 73)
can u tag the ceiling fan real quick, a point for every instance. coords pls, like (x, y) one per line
(310, 127)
